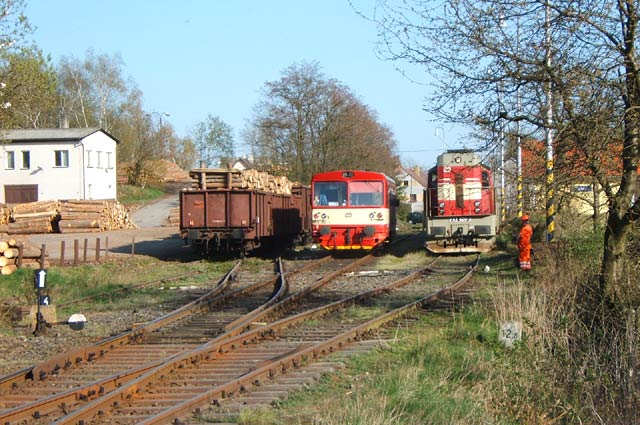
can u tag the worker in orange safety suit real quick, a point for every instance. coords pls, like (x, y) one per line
(524, 243)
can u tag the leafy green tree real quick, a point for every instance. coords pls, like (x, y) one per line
(213, 140)
(186, 153)
(29, 99)
(14, 25)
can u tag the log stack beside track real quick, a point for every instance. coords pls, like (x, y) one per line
(64, 217)
(15, 254)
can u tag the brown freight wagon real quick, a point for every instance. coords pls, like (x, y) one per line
(235, 221)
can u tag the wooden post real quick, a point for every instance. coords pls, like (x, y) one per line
(42, 255)
(84, 256)
(133, 246)
(106, 248)
(76, 252)
(62, 244)
(19, 259)
(97, 250)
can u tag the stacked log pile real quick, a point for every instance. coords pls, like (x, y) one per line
(223, 178)
(9, 252)
(31, 255)
(33, 217)
(10, 259)
(65, 217)
(174, 217)
(93, 216)
(5, 214)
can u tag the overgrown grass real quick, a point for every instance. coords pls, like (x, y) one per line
(128, 194)
(428, 377)
(111, 285)
(453, 369)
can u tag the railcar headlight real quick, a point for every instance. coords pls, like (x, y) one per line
(316, 216)
(441, 204)
(441, 212)
(324, 216)
(477, 210)
(476, 203)
(379, 215)
(371, 215)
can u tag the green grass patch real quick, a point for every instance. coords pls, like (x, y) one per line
(108, 285)
(128, 194)
(430, 376)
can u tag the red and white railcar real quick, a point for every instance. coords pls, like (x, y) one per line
(353, 209)
(460, 203)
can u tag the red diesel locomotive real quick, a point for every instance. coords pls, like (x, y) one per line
(353, 209)
(460, 204)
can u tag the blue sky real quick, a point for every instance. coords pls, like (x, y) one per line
(191, 58)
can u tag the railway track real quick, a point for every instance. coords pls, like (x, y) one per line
(248, 343)
(89, 372)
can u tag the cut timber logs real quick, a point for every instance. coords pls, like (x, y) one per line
(11, 252)
(93, 216)
(8, 269)
(224, 178)
(174, 217)
(10, 258)
(33, 217)
(52, 216)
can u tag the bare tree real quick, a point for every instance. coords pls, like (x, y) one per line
(582, 55)
(93, 90)
(307, 123)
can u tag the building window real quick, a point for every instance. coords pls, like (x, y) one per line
(413, 197)
(11, 160)
(26, 160)
(109, 165)
(62, 158)
(89, 159)
(99, 154)
(405, 183)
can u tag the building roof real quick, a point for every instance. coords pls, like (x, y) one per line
(50, 134)
(416, 174)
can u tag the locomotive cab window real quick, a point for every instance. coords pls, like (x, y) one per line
(485, 179)
(366, 194)
(329, 193)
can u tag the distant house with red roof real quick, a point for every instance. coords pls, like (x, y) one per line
(575, 186)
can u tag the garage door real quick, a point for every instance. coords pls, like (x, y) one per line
(20, 193)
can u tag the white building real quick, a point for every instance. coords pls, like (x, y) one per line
(414, 182)
(56, 164)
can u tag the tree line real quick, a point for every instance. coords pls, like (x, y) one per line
(304, 122)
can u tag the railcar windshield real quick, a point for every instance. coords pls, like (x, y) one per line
(366, 194)
(330, 193)
(356, 193)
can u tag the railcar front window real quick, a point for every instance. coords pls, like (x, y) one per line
(366, 194)
(330, 194)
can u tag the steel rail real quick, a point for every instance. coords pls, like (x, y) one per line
(101, 387)
(298, 357)
(89, 353)
(217, 348)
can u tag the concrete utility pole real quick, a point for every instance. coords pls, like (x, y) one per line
(549, 132)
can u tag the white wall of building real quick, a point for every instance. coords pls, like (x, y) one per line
(78, 180)
(99, 166)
